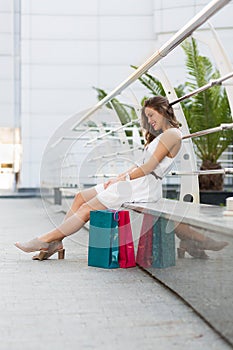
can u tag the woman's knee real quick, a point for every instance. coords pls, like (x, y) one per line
(85, 195)
(84, 212)
(78, 198)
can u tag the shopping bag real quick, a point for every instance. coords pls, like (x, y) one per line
(163, 244)
(103, 244)
(144, 252)
(126, 245)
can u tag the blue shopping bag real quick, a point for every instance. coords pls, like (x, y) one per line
(163, 250)
(103, 248)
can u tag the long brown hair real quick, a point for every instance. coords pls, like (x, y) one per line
(161, 105)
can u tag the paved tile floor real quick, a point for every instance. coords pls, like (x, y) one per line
(65, 304)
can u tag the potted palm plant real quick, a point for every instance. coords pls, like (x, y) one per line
(206, 110)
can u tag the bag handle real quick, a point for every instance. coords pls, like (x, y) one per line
(116, 216)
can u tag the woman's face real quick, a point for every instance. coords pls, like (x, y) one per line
(155, 119)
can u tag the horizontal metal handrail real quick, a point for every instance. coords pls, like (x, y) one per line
(225, 171)
(211, 83)
(115, 154)
(124, 126)
(224, 126)
(172, 173)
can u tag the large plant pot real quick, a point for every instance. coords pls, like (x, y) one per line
(211, 182)
(214, 197)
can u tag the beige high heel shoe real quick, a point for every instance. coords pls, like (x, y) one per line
(33, 246)
(211, 244)
(54, 247)
(190, 247)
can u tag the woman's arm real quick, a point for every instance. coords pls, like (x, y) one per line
(169, 144)
(120, 177)
(128, 171)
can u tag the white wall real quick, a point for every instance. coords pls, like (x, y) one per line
(6, 64)
(69, 46)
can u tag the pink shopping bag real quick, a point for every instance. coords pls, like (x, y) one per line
(144, 252)
(126, 245)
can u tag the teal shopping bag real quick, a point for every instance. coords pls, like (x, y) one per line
(163, 248)
(103, 248)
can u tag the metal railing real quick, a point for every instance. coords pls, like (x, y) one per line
(95, 141)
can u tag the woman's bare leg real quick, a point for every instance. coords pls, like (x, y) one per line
(184, 231)
(195, 242)
(74, 222)
(76, 217)
(79, 199)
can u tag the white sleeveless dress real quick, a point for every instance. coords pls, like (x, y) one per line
(144, 189)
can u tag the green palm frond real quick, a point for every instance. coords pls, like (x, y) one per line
(151, 83)
(180, 90)
(124, 115)
(121, 111)
(101, 94)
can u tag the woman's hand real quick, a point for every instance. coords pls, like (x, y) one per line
(110, 182)
(113, 181)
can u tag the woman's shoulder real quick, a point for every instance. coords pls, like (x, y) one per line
(171, 137)
(172, 132)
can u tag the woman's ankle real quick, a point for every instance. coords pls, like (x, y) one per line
(43, 239)
(51, 238)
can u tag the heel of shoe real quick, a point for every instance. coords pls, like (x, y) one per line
(61, 254)
(41, 256)
(180, 253)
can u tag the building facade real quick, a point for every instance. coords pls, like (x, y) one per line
(54, 52)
